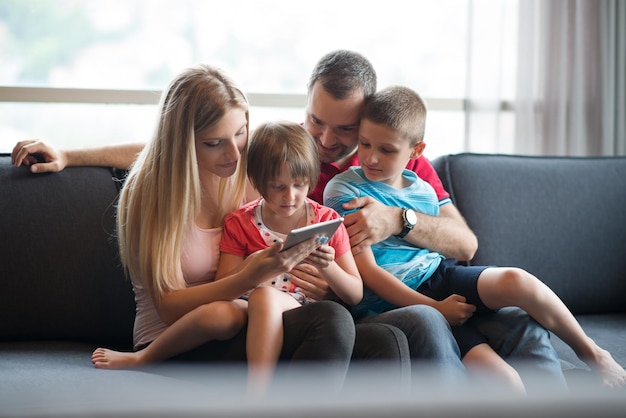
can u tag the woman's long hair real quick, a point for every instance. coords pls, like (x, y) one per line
(162, 194)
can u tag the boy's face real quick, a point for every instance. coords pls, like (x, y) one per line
(384, 153)
(285, 195)
(334, 124)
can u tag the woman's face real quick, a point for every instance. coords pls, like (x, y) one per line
(219, 148)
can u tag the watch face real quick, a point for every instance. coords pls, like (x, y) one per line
(411, 217)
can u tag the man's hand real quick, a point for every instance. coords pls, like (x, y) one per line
(447, 234)
(372, 223)
(41, 157)
(308, 279)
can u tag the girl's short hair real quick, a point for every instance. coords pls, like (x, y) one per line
(274, 143)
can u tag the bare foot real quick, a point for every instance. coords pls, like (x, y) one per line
(613, 375)
(104, 358)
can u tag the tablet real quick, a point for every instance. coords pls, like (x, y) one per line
(321, 229)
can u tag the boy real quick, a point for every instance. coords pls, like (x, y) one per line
(396, 273)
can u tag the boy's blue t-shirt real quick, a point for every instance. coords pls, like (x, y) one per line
(410, 264)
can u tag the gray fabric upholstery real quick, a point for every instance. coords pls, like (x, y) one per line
(64, 294)
(61, 277)
(560, 218)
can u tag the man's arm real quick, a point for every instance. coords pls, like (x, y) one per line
(43, 158)
(447, 233)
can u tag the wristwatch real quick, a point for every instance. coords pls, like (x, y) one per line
(410, 219)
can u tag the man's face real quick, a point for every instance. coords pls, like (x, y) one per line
(333, 123)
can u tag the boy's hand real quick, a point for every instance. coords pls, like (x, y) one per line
(455, 310)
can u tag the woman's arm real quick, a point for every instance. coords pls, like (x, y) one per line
(228, 264)
(254, 270)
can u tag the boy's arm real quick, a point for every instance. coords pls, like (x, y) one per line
(385, 285)
(454, 308)
(42, 157)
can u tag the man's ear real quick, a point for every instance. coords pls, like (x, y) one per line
(418, 150)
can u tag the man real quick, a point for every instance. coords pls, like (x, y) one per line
(338, 87)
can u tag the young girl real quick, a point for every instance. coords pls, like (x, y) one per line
(398, 274)
(287, 167)
(170, 216)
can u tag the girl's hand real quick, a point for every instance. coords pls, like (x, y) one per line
(322, 257)
(455, 310)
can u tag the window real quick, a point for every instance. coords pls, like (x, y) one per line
(269, 47)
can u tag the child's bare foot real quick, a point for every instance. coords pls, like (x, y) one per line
(613, 375)
(104, 358)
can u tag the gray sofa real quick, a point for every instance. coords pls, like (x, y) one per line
(561, 219)
(64, 293)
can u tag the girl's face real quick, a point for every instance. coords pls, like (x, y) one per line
(384, 153)
(219, 148)
(286, 195)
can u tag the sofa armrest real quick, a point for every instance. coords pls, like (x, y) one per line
(61, 272)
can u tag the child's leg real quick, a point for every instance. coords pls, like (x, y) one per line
(499, 287)
(264, 340)
(213, 321)
(484, 360)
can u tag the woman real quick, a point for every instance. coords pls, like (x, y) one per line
(170, 215)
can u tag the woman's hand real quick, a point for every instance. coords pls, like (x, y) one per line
(272, 261)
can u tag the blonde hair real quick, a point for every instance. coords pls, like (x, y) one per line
(274, 143)
(162, 193)
(401, 109)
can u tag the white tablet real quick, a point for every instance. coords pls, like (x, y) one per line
(321, 229)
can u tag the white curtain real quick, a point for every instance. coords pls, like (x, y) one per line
(555, 84)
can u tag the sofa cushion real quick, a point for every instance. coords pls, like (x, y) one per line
(605, 329)
(61, 274)
(560, 218)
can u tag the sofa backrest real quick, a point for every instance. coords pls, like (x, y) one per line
(60, 270)
(560, 218)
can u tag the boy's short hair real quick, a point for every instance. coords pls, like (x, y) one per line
(401, 109)
(274, 143)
